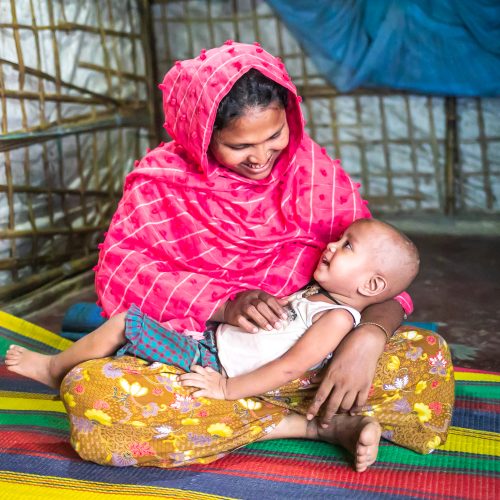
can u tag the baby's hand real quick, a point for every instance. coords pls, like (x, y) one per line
(211, 383)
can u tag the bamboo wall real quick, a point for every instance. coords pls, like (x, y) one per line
(413, 154)
(78, 104)
(75, 112)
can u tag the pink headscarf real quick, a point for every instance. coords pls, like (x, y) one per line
(188, 233)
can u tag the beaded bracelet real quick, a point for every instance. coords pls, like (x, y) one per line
(387, 336)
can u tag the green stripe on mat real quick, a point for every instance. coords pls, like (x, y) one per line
(34, 419)
(387, 455)
(478, 391)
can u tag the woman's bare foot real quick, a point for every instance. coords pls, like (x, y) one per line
(32, 364)
(357, 434)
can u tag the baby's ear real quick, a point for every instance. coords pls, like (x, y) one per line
(375, 285)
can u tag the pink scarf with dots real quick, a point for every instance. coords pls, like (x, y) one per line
(188, 234)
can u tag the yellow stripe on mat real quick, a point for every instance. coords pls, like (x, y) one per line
(16, 404)
(28, 395)
(472, 441)
(16, 485)
(477, 377)
(31, 331)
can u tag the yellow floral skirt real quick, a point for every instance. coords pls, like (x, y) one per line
(124, 411)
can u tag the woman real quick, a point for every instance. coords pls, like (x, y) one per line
(220, 224)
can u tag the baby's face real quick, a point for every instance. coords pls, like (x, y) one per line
(349, 261)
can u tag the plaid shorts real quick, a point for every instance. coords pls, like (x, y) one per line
(147, 339)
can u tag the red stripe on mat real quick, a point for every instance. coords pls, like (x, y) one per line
(34, 436)
(4, 373)
(34, 443)
(471, 370)
(478, 405)
(55, 455)
(419, 483)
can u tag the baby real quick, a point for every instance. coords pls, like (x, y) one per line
(371, 263)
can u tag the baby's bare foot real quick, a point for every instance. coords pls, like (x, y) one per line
(357, 434)
(31, 364)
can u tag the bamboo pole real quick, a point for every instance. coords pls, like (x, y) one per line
(68, 26)
(48, 294)
(12, 234)
(30, 283)
(127, 118)
(37, 260)
(153, 99)
(70, 86)
(451, 156)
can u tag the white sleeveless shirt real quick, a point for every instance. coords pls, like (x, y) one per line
(242, 352)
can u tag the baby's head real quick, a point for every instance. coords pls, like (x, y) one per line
(372, 262)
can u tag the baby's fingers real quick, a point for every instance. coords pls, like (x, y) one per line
(202, 370)
(192, 380)
(201, 393)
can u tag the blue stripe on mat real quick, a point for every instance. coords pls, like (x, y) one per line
(183, 479)
(433, 327)
(476, 419)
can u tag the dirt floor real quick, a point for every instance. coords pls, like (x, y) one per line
(458, 287)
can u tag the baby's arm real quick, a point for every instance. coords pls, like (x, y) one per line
(315, 345)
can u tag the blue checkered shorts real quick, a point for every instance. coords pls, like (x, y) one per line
(147, 339)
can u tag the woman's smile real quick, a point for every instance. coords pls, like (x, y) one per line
(260, 168)
(250, 144)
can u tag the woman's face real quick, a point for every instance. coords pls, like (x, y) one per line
(251, 143)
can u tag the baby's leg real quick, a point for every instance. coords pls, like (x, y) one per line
(357, 434)
(50, 369)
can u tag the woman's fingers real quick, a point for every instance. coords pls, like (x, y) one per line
(254, 315)
(276, 307)
(266, 312)
(321, 395)
(348, 401)
(332, 408)
(255, 308)
(246, 325)
(361, 399)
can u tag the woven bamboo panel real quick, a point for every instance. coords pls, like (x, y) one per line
(75, 111)
(408, 151)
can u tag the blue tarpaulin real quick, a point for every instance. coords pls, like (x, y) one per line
(449, 47)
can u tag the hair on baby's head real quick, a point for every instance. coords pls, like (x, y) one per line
(395, 257)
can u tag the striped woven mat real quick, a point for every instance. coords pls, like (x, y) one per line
(36, 460)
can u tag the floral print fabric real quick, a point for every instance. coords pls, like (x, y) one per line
(124, 411)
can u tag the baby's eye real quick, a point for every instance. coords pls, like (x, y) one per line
(347, 245)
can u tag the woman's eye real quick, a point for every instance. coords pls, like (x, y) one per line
(239, 147)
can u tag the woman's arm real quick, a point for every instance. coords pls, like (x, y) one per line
(314, 346)
(349, 376)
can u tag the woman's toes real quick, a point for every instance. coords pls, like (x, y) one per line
(15, 349)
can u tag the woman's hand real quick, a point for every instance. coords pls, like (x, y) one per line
(255, 308)
(211, 383)
(348, 378)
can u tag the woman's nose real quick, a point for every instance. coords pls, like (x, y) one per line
(259, 156)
